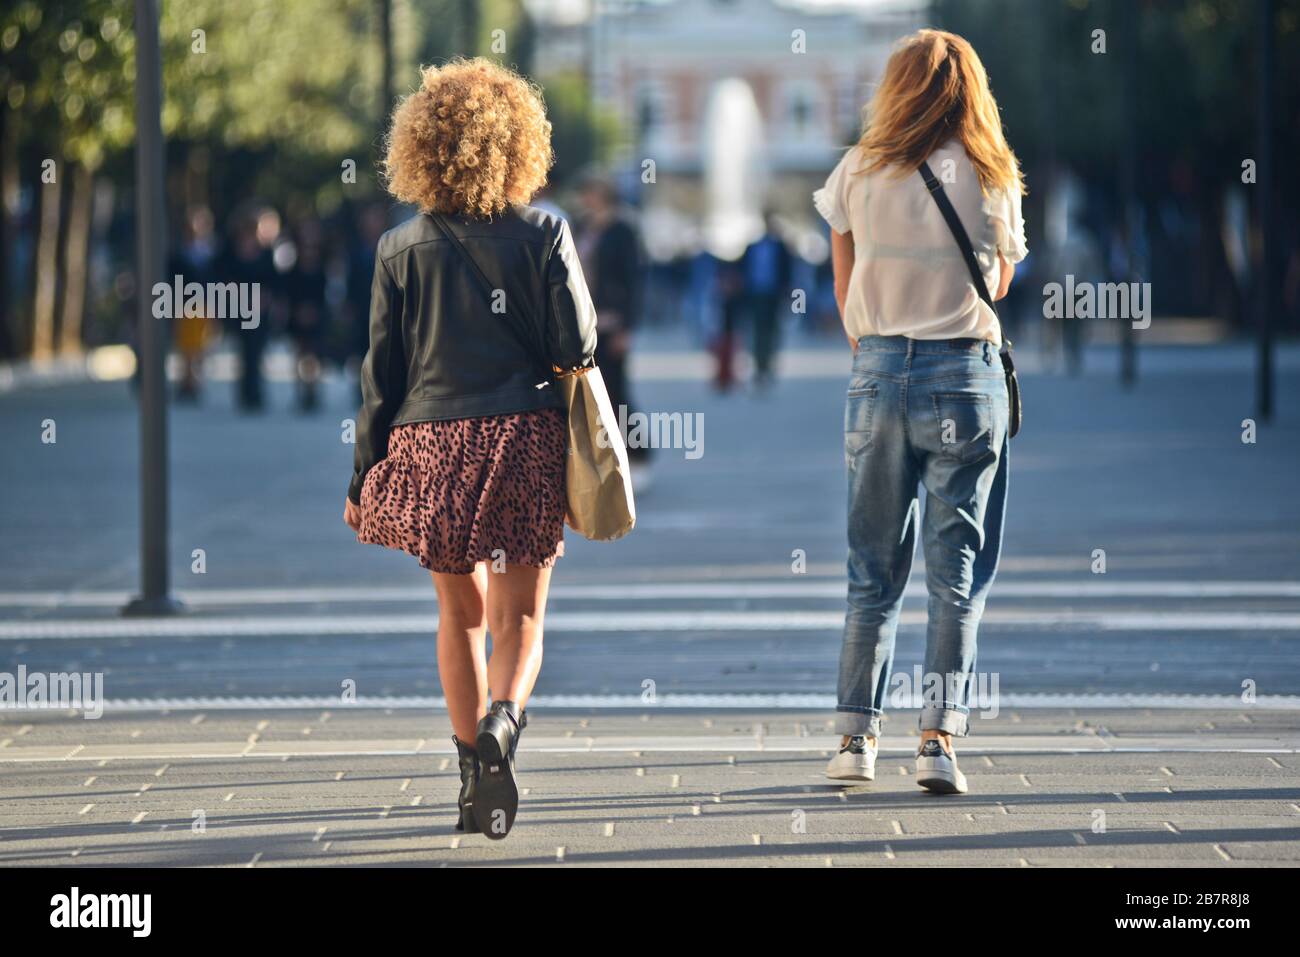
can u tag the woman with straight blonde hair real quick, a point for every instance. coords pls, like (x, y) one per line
(928, 400)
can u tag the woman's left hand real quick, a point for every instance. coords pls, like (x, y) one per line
(352, 514)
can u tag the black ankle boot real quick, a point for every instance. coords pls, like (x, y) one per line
(496, 799)
(469, 771)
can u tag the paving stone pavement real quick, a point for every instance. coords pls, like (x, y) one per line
(360, 786)
(1200, 601)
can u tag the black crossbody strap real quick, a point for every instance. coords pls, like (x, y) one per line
(958, 233)
(486, 287)
(977, 277)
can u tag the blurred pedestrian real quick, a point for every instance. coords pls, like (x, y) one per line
(371, 223)
(610, 250)
(545, 201)
(461, 441)
(1070, 249)
(730, 286)
(699, 296)
(247, 260)
(927, 402)
(767, 267)
(194, 329)
(308, 311)
(1291, 286)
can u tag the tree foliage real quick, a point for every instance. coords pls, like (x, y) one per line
(1191, 84)
(68, 73)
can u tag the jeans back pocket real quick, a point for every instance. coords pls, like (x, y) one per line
(858, 409)
(965, 424)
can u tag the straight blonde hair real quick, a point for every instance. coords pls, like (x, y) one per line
(935, 89)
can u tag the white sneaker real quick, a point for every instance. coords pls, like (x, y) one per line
(936, 769)
(856, 761)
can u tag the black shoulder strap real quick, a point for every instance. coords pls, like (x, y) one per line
(958, 233)
(486, 287)
(968, 253)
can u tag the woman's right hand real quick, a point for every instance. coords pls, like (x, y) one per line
(352, 515)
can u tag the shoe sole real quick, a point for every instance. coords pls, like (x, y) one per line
(496, 797)
(851, 775)
(940, 782)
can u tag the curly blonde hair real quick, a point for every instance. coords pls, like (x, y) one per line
(472, 140)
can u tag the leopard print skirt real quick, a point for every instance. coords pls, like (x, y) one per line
(461, 491)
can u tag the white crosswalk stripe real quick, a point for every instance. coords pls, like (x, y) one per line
(813, 588)
(678, 702)
(630, 621)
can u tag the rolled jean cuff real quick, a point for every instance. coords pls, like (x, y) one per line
(954, 721)
(863, 721)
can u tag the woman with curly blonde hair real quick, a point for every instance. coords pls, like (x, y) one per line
(928, 402)
(477, 302)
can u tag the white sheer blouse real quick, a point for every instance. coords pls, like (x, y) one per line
(908, 275)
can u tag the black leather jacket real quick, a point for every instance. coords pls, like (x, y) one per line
(440, 348)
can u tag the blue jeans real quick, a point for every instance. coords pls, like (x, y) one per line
(930, 413)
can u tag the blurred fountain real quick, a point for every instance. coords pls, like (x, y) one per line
(735, 171)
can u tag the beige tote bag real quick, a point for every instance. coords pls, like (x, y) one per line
(601, 506)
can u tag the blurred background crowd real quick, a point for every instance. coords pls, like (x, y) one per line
(689, 136)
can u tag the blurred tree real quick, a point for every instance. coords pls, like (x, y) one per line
(280, 93)
(580, 135)
(261, 96)
(281, 99)
(1065, 102)
(67, 75)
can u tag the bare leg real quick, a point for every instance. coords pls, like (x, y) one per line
(462, 648)
(516, 605)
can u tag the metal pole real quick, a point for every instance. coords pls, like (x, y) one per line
(1264, 299)
(150, 332)
(386, 40)
(1128, 178)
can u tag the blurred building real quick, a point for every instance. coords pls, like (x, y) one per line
(731, 105)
